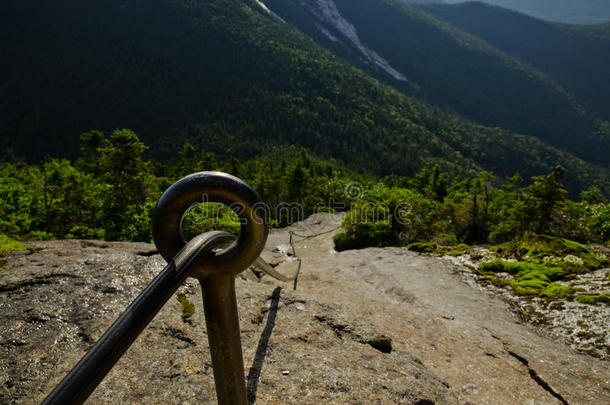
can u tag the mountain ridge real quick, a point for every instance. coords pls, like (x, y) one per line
(451, 68)
(210, 73)
(566, 11)
(574, 56)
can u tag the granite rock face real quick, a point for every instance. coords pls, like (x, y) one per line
(374, 326)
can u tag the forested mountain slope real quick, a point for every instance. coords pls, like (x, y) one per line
(234, 80)
(222, 73)
(566, 11)
(423, 56)
(575, 56)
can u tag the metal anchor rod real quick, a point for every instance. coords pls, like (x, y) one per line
(217, 275)
(76, 387)
(222, 324)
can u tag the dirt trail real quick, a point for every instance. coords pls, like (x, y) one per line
(466, 336)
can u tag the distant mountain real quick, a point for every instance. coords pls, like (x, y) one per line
(422, 56)
(422, 1)
(566, 11)
(577, 57)
(234, 79)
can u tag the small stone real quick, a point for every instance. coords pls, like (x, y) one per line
(471, 389)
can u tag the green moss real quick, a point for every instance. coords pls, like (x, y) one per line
(556, 290)
(535, 284)
(520, 290)
(593, 299)
(530, 278)
(567, 254)
(523, 270)
(422, 247)
(188, 308)
(458, 250)
(8, 245)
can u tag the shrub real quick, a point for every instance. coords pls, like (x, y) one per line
(364, 226)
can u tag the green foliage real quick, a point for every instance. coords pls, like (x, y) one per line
(576, 56)
(126, 180)
(8, 244)
(112, 189)
(387, 215)
(569, 255)
(463, 73)
(366, 225)
(524, 270)
(188, 308)
(598, 221)
(83, 232)
(209, 217)
(593, 299)
(541, 200)
(105, 196)
(422, 247)
(529, 278)
(478, 211)
(269, 86)
(15, 201)
(556, 290)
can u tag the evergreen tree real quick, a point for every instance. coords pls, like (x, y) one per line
(543, 199)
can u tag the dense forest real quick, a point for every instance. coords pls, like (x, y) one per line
(462, 73)
(109, 192)
(231, 79)
(576, 56)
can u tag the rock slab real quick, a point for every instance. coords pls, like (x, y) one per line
(372, 326)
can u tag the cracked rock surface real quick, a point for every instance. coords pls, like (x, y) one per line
(372, 326)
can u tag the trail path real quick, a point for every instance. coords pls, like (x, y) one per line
(463, 334)
(371, 326)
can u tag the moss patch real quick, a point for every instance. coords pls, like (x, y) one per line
(188, 308)
(569, 255)
(593, 299)
(530, 278)
(8, 245)
(422, 247)
(458, 250)
(524, 270)
(556, 290)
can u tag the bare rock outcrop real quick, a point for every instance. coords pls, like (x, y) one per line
(383, 326)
